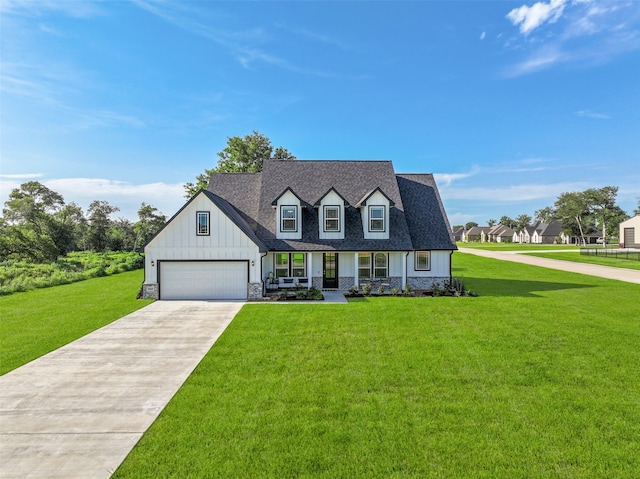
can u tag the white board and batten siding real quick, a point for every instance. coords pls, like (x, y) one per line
(179, 253)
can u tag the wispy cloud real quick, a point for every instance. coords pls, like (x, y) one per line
(530, 18)
(446, 179)
(592, 114)
(483, 35)
(23, 176)
(584, 32)
(511, 193)
(82, 9)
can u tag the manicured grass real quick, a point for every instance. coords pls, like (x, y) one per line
(39, 321)
(516, 246)
(537, 377)
(601, 260)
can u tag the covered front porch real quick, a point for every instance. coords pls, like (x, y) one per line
(332, 270)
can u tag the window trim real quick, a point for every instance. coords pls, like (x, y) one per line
(294, 219)
(372, 265)
(428, 254)
(384, 219)
(290, 267)
(386, 264)
(336, 219)
(207, 215)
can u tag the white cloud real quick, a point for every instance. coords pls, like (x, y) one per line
(445, 179)
(510, 194)
(592, 114)
(483, 35)
(23, 176)
(167, 197)
(530, 18)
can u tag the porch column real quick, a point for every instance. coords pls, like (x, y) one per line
(355, 273)
(309, 270)
(404, 271)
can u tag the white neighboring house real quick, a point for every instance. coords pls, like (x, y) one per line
(326, 224)
(630, 233)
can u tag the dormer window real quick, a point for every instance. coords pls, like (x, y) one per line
(332, 219)
(377, 220)
(289, 218)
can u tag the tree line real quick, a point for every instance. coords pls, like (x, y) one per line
(580, 212)
(38, 226)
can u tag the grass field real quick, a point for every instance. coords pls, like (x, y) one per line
(537, 377)
(516, 246)
(603, 261)
(39, 321)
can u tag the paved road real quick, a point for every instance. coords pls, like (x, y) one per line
(78, 411)
(621, 274)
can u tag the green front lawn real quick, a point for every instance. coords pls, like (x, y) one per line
(39, 321)
(516, 246)
(600, 260)
(537, 377)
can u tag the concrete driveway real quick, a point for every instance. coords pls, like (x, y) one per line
(620, 274)
(78, 411)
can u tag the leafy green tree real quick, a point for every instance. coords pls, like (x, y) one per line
(470, 225)
(572, 210)
(99, 213)
(545, 215)
(241, 155)
(29, 227)
(522, 221)
(150, 220)
(602, 205)
(491, 222)
(121, 236)
(636, 212)
(506, 221)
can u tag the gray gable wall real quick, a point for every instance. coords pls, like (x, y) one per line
(416, 220)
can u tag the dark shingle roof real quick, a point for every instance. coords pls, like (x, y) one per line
(425, 226)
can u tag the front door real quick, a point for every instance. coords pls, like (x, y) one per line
(330, 271)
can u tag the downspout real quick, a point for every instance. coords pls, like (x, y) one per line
(451, 266)
(264, 290)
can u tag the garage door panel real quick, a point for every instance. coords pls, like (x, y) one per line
(203, 280)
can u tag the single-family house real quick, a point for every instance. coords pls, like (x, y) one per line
(500, 234)
(630, 233)
(327, 224)
(477, 234)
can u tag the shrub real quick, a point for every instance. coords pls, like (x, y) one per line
(366, 289)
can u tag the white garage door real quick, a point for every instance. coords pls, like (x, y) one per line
(203, 280)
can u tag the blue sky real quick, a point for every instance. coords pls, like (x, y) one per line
(508, 103)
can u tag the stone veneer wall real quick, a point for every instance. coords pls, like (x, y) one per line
(150, 291)
(418, 282)
(254, 290)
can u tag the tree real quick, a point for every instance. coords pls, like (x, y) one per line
(150, 220)
(470, 225)
(506, 221)
(522, 221)
(545, 215)
(241, 155)
(636, 212)
(29, 227)
(602, 205)
(120, 236)
(99, 222)
(491, 222)
(572, 209)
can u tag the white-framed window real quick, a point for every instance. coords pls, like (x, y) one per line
(282, 265)
(364, 265)
(289, 218)
(332, 219)
(379, 261)
(377, 220)
(298, 265)
(290, 264)
(202, 220)
(380, 265)
(423, 261)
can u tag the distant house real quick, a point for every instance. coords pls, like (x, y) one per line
(326, 224)
(458, 234)
(630, 233)
(500, 234)
(477, 234)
